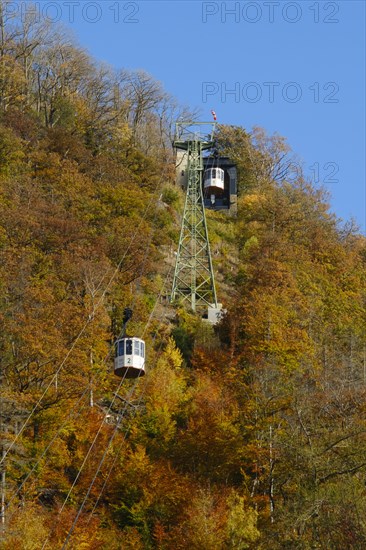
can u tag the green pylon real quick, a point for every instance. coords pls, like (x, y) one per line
(194, 280)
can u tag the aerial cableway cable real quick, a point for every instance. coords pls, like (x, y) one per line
(88, 321)
(116, 429)
(45, 451)
(135, 408)
(91, 447)
(84, 327)
(141, 395)
(121, 416)
(85, 460)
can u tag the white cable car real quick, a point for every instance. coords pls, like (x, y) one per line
(129, 361)
(213, 178)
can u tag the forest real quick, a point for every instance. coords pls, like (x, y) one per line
(251, 435)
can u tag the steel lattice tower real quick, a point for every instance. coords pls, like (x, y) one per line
(194, 277)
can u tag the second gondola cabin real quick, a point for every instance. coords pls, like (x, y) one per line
(129, 361)
(213, 179)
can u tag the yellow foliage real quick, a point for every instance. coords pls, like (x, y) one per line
(26, 530)
(241, 527)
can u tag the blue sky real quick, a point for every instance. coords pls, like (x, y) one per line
(295, 68)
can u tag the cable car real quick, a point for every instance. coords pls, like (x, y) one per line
(129, 361)
(213, 178)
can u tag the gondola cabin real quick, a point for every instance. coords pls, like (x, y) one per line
(224, 195)
(129, 361)
(219, 181)
(213, 179)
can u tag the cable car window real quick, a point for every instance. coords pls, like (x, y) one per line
(121, 348)
(214, 173)
(142, 349)
(128, 347)
(136, 347)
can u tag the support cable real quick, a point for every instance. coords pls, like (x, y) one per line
(113, 400)
(45, 451)
(112, 438)
(81, 332)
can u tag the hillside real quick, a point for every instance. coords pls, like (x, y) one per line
(249, 436)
